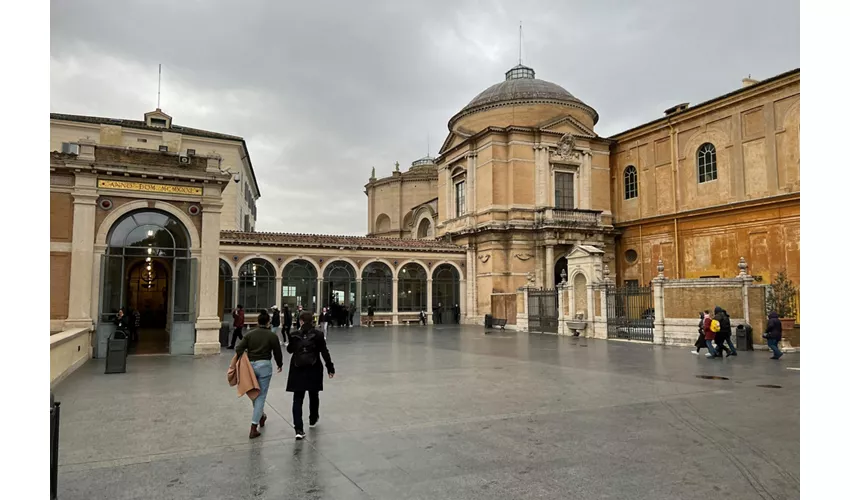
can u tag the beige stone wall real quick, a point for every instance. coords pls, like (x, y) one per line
(682, 302)
(522, 115)
(757, 138)
(61, 216)
(68, 351)
(235, 206)
(396, 200)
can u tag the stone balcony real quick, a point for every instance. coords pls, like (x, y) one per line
(569, 218)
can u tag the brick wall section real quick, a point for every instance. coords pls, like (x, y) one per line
(61, 217)
(688, 302)
(60, 283)
(148, 158)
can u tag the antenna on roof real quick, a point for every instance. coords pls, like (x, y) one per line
(159, 86)
(520, 42)
(429, 144)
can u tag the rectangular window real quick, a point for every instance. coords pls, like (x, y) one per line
(158, 122)
(190, 152)
(141, 140)
(564, 198)
(164, 149)
(70, 148)
(631, 283)
(460, 198)
(247, 225)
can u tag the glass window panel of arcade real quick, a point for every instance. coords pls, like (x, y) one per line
(299, 285)
(256, 285)
(412, 288)
(377, 287)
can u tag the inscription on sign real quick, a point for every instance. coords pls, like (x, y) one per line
(149, 187)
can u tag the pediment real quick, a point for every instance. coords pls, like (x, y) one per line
(567, 124)
(454, 139)
(584, 251)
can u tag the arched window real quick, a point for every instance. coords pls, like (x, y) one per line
(340, 284)
(256, 285)
(425, 230)
(707, 162)
(377, 287)
(225, 289)
(630, 184)
(445, 291)
(412, 288)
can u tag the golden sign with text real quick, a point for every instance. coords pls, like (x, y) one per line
(150, 187)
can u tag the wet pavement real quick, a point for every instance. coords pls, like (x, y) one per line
(444, 412)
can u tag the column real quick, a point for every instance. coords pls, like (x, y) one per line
(562, 329)
(430, 300)
(658, 294)
(395, 301)
(278, 290)
(208, 324)
(470, 278)
(471, 207)
(549, 271)
(358, 301)
(82, 253)
(463, 312)
(235, 297)
(319, 286)
(603, 303)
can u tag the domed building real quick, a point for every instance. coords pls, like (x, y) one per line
(523, 182)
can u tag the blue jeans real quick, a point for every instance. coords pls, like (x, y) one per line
(708, 343)
(263, 371)
(774, 346)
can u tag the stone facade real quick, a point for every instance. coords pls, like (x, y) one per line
(517, 148)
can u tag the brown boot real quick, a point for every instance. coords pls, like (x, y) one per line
(254, 432)
(263, 421)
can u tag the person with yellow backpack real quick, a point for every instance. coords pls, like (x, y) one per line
(709, 333)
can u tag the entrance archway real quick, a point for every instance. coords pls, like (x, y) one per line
(445, 293)
(148, 268)
(299, 286)
(339, 289)
(560, 265)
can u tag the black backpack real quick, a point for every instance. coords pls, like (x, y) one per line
(308, 351)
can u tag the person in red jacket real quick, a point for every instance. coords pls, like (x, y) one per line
(238, 323)
(709, 335)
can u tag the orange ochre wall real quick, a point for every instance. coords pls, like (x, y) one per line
(767, 236)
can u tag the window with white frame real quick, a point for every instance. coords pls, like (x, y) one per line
(564, 191)
(630, 184)
(707, 163)
(460, 198)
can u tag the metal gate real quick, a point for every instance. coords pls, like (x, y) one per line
(631, 315)
(543, 310)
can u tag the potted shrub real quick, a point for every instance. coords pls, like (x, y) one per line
(782, 298)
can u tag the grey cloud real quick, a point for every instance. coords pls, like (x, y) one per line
(322, 91)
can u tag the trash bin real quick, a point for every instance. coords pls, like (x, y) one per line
(744, 334)
(488, 321)
(116, 352)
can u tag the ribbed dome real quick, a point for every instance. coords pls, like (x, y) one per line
(521, 85)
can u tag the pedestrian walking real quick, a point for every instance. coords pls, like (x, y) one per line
(351, 315)
(724, 336)
(423, 318)
(324, 318)
(774, 334)
(238, 323)
(287, 323)
(438, 309)
(700, 343)
(709, 333)
(261, 344)
(275, 312)
(370, 315)
(306, 372)
(456, 312)
(298, 317)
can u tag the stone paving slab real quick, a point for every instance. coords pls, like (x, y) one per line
(448, 413)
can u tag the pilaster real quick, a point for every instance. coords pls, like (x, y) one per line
(82, 252)
(429, 300)
(208, 324)
(395, 301)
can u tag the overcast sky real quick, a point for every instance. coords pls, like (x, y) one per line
(322, 91)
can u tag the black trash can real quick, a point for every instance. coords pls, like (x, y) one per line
(744, 334)
(488, 321)
(116, 352)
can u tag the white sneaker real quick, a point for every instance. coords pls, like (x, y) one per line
(708, 355)
(299, 436)
(695, 352)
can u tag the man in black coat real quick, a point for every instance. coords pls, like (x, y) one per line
(724, 336)
(287, 324)
(306, 372)
(774, 334)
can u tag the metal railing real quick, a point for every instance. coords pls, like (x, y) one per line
(578, 217)
(54, 446)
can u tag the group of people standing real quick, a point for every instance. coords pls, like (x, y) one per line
(715, 334)
(307, 346)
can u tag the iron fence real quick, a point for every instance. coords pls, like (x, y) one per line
(543, 310)
(631, 315)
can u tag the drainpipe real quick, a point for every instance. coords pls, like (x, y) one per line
(674, 162)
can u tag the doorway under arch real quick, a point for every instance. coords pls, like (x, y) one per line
(560, 266)
(445, 294)
(148, 271)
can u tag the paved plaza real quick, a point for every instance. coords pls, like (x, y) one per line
(444, 412)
